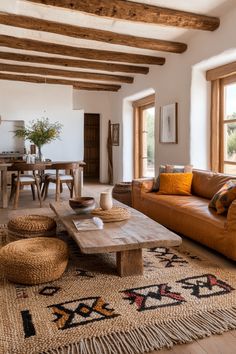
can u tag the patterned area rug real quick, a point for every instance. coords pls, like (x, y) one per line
(91, 310)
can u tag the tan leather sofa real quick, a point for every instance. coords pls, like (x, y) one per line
(190, 215)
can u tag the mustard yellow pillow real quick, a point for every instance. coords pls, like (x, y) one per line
(175, 183)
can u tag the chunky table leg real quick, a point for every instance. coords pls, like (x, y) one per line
(4, 188)
(129, 262)
(78, 182)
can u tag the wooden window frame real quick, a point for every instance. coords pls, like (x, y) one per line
(224, 82)
(139, 106)
(220, 77)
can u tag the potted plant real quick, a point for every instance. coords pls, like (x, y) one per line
(40, 132)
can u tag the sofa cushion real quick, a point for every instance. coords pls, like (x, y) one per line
(224, 197)
(175, 183)
(170, 169)
(205, 184)
(178, 168)
(191, 206)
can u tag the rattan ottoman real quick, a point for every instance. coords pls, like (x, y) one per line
(34, 260)
(29, 226)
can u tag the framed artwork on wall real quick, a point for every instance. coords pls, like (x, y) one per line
(115, 134)
(168, 124)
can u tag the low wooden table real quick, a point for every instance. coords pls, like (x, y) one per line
(126, 238)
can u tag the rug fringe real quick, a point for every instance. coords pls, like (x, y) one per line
(156, 336)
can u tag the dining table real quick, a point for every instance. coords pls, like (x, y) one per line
(7, 167)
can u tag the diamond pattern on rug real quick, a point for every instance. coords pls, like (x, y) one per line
(205, 285)
(82, 311)
(152, 297)
(168, 258)
(49, 290)
(84, 273)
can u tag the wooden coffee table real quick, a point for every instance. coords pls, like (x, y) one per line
(125, 238)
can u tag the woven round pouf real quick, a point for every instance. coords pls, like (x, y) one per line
(35, 260)
(28, 226)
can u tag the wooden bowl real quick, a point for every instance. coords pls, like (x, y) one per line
(82, 205)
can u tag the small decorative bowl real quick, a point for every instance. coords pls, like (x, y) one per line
(82, 205)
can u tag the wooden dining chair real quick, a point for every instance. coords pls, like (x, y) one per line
(65, 173)
(21, 179)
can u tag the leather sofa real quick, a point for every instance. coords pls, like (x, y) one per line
(190, 215)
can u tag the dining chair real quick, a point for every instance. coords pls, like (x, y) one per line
(21, 179)
(65, 173)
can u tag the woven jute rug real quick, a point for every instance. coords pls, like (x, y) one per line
(91, 310)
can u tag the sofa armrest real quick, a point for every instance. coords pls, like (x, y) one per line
(231, 217)
(140, 185)
(144, 184)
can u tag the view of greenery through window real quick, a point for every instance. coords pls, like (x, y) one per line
(149, 141)
(231, 137)
(230, 128)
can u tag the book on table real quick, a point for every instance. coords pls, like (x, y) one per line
(91, 224)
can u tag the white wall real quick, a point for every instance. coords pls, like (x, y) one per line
(97, 102)
(26, 101)
(174, 82)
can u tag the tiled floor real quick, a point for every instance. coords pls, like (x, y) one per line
(218, 344)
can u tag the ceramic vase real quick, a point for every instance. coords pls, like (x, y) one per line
(106, 200)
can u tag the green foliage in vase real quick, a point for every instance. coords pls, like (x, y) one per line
(40, 131)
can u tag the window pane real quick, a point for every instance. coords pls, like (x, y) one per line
(230, 142)
(230, 169)
(230, 102)
(148, 142)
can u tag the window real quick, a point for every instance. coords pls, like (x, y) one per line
(144, 137)
(228, 128)
(223, 118)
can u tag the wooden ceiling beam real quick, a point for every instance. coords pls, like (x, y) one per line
(46, 80)
(26, 69)
(74, 63)
(66, 50)
(138, 12)
(37, 24)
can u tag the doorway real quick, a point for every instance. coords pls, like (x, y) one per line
(92, 146)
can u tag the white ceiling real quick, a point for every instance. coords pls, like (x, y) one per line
(208, 7)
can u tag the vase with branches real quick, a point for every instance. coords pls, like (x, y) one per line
(40, 132)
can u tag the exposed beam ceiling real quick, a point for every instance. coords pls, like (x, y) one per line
(65, 73)
(95, 54)
(85, 64)
(134, 11)
(80, 85)
(60, 50)
(34, 23)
